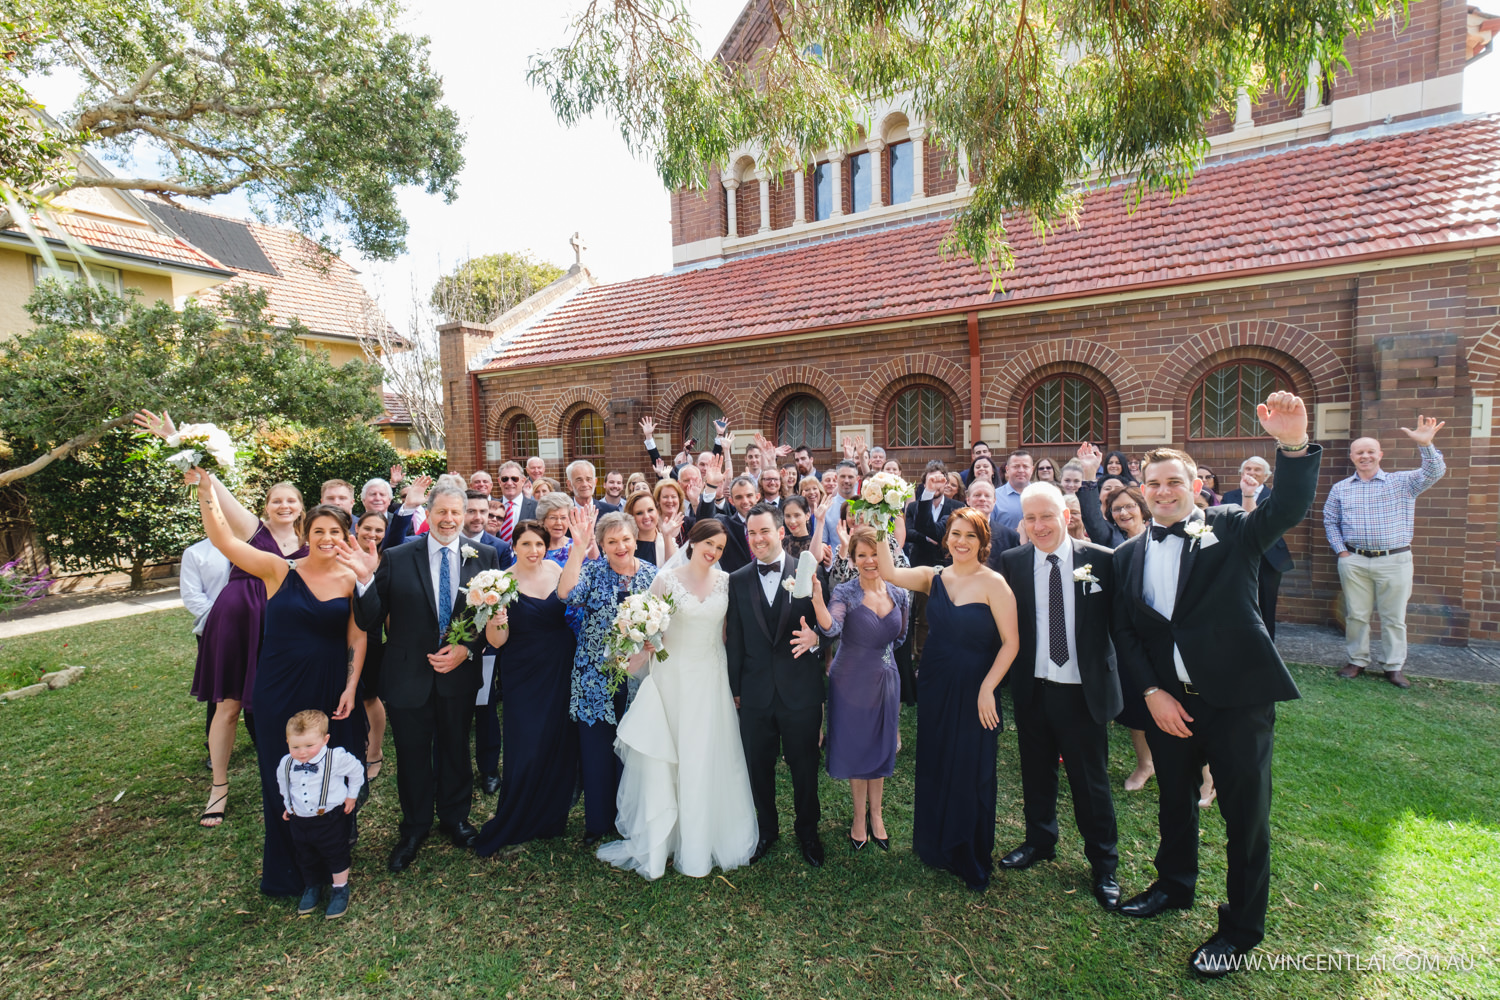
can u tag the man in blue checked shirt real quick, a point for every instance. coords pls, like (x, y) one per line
(1369, 520)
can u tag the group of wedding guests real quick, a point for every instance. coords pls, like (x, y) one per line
(989, 577)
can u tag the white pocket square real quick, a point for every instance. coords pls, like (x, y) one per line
(1094, 588)
(1208, 540)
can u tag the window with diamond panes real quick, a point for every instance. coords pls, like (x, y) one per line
(1222, 404)
(804, 423)
(920, 417)
(1064, 409)
(699, 424)
(523, 442)
(588, 442)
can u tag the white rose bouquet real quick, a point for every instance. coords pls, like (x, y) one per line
(642, 618)
(882, 498)
(488, 591)
(203, 445)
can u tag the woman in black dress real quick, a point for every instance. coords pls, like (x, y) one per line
(371, 528)
(534, 651)
(970, 646)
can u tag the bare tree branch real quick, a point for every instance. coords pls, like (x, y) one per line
(63, 450)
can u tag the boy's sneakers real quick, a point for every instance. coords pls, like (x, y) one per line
(309, 900)
(338, 901)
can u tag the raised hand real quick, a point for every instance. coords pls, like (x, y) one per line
(1248, 485)
(398, 473)
(1090, 458)
(1284, 417)
(721, 426)
(713, 471)
(804, 639)
(662, 472)
(1427, 428)
(848, 444)
(672, 525)
(822, 509)
(648, 427)
(363, 561)
(859, 444)
(764, 443)
(161, 425)
(416, 493)
(581, 524)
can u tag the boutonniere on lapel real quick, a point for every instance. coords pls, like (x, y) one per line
(468, 552)
(788, 584)
(1201, 533)
(1085, 574)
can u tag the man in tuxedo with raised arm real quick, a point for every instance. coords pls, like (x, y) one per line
(1250, 493)
(1187, 626)
(1064, 685)
(776, 677)
(427, 683)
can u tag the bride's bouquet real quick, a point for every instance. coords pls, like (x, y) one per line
(488, 591)
(883, 497)
(642, 618)
(203, 445)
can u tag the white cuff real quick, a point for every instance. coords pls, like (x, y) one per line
(360, 588)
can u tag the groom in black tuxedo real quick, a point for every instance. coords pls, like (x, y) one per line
(776, 677)
(428, 685)
(1188, 628)
(1064, 685)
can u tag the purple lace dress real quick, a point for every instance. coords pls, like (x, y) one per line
(864, 687)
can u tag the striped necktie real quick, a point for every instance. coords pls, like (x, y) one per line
(508, 523)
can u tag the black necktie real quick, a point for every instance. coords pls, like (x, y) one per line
(309, 767)
(768, 568)
(1158, 532)
(1057, 618)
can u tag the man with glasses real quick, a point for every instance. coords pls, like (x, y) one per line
(513, 507)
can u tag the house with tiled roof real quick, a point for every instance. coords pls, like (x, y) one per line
(1345, 246)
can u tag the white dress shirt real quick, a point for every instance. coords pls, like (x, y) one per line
(302, 791)
(1159, 584)
(1042, 575)
(204, 572)
(770, 581)
(455, 562)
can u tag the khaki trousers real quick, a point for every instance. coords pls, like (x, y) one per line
(1376, 584)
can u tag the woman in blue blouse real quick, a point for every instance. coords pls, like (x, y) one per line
(595, 587)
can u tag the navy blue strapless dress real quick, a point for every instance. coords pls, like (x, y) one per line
(953, 817)
(303, 664)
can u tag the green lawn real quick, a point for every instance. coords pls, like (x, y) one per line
(1387, 837)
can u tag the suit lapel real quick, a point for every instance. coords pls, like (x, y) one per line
(758, 600)
(1080, 589)
(1190, 549)
(1026, 593)
(424, 575)
(1135, 586)
(783, 597)
(466, 571)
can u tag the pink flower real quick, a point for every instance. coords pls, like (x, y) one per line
(492, 599)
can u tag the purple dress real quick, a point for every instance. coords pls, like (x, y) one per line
(232, 633)
(864, 687)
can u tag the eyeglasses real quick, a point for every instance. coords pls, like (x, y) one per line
(510, 479)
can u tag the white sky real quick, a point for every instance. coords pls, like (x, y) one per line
(529, 182)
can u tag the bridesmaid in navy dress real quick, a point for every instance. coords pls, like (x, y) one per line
(970, 647)
(311, 655)
(534, 661)
(864, 686)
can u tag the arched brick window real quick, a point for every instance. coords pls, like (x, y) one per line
(803, 422)
(521, 439)
(698, 423)
(587, 440)
(1222, 403)
(1063, 409)
(919, 417)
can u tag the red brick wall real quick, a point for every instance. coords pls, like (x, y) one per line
(1393, 54)
(747, 207)
(783, 201)
(698, 215)
(939, 168)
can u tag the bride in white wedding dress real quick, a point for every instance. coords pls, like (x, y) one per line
(685, 792)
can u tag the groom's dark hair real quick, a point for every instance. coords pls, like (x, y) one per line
(765, 508)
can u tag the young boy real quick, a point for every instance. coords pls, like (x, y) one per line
(313, 778)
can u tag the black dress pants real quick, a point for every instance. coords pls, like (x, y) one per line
(432, 761)
(1058, 722)
(794, 733)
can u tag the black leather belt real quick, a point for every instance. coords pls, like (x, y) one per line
(1044, 682)
(1376, 553)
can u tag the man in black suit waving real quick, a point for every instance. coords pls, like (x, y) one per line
(777, 689)
(744, 494)
(1064, 685)
(1251, 493)
(1187, 626)
(427, 683)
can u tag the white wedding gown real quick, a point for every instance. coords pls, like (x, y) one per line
(685, 792)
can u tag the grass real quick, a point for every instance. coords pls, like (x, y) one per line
(1386, 835)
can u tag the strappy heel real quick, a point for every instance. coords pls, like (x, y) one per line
(210, 812)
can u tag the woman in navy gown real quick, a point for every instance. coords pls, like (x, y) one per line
(864, 686)
(970, 647)
(534, 661)
(311, 655)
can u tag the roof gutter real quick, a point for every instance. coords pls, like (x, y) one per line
(1350, 264)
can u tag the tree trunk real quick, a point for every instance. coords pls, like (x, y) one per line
(61, 451)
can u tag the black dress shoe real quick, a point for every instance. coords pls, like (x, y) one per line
(1151, 902)
(405, 852)
(590, 839)
(1025, 856)
(762, 848)
(490, 783)
(462, 834)
(812, 850)
(1215, 957)
(1107, 891)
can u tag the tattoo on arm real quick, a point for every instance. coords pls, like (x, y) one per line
(350, 669)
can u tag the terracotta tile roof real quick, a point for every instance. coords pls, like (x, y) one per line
(141, 242)
(1317, 204)
(324, 293)
(396, 411)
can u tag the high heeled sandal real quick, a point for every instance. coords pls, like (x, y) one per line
(373, 769)
(210, 812)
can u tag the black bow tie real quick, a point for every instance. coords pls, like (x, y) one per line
(309, 767)
(1158, 532)
(768, 568)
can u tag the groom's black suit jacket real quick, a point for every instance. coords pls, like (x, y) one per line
(403, 590)
(1091, 622)
(1216, 621)
(759, 640)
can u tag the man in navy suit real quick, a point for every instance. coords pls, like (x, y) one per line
(510, 503)
(1278, 558)
(486, 720)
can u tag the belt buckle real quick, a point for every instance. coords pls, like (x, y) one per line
(1189, 689)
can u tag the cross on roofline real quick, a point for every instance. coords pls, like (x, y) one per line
(578, 248)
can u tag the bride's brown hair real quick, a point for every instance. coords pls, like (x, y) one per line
(702, 531)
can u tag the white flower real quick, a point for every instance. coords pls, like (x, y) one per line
(469, 552)
(1085, 574)
(788, 584)
(893, 497)
(1201, 532)
(637, 635)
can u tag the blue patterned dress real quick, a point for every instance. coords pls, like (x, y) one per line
(597, 595)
